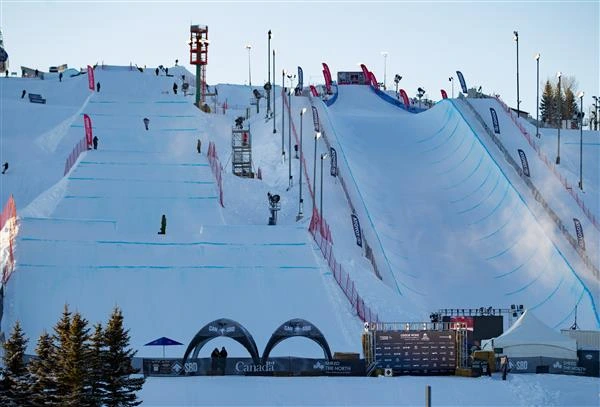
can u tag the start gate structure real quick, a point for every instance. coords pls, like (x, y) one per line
(199, 57)
(241, 150)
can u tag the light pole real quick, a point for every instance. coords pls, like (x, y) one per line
(291, 78)
(385, 55)
(300, 200)
(397, 80)
(274, 94)
(317, 136)
(595, 112)
(516, 38)
(269, 76)
(451, 79)
(537, 99)
(282, 113)
(581, 141)
(249, 47)
(323, 157)
(559, 104)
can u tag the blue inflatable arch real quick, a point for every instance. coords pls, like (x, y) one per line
(297, 327)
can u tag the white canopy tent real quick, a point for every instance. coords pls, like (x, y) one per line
(530, 337)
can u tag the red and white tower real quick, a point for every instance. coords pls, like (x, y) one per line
(199, 57)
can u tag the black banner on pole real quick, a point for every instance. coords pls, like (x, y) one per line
(495, 120)
(524, 162)
(579, 233)
(333, 169)
(316, 118)
(461, 78)
(300, 78)
(357, 231)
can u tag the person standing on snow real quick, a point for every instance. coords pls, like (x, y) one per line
(199, 146)
(156, 71)
(98, 87)
(223, 359)
(214, 360)
(95, 142)
(146, 122)
(5, 167)
(174, 88)
(163, 225)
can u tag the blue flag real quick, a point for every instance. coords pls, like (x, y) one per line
(524, 162)
(579, 233)
(461, 78)
(495, 120)
(357, 231)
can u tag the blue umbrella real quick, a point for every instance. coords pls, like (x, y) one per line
(163, 341)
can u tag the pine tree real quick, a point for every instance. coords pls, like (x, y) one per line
(121, 388)
(570, 108)
(43, 387)
(559, 105)
(61, 342)
(77, 363)
(547, 108)
(97, 366)
(16, 380)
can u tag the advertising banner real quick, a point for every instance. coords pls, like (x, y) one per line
(404, 97)
(495, 120)
(357, 231)
(366, 73)
(444, 94)
(524, 162)
(91, 80)
(315, 114)
(461, 78)
(300, 78)
(373, 80)
(313, 90)
(579, 233)
(327, 74)
(333, 169)
(416, 352)
(87, 123)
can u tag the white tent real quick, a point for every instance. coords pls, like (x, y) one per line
(530, 337)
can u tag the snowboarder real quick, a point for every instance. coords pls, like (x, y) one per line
(60, 75)
(146, 122)
(214, 360)
(156, 71)
(98, 87)
(174, 88)
(95, 142)
(23, 93)
(199, 146)
(5, 167)
(37, 73)
(163, 225)
(176, 62)
(222, 359)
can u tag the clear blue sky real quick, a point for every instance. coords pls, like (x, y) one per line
(427, 41)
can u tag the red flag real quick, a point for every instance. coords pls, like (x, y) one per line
(404, 98)
(327, 74)
(313, 90)
(444, 94)
(91, 81)
(88, 129)
(365, 73)
(373, 80)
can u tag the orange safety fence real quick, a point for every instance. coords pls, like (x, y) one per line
(8, 218)
(217, 169)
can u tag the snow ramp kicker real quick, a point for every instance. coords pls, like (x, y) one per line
(453, 230)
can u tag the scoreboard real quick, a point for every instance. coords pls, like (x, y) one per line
(416, 352)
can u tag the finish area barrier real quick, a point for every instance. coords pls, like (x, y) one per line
(276, 366)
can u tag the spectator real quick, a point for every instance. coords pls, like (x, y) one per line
(223, 359)
(163, 225)
(5, 167)
(167, 71)
(146, 122)
(174, 88)
(199, 146)
(214, 361)
(23, 93)
(156, 71)
(98, 87)
(60, 75)
(95, 142)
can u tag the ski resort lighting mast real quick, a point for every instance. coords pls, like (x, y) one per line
(558, 75)
(580, 96)
(516, 38)
(385, 55)
(199, 57)
(537, 100)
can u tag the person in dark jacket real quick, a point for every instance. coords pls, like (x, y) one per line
(4, 167)
(214, 360)
(156, 71)
(163, 225)
(174, 88)
(95, 142)
(23, 93)
(98, 87)
(146, 122)
(223, 359)
(199, 146)
(60, 75)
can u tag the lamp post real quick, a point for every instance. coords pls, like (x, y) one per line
(595, 112)
(300, 200)
(290, 177)
(451, 79)
(274, 93)
(397, 80)
(323, 157)
(581, 140)
(269, 76)
(537, 98)
(249, 47)
(516, 38)
(385, 55)
(317, 136)
(559, 117)
(282, 113)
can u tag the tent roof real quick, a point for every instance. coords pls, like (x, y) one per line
(528, 330)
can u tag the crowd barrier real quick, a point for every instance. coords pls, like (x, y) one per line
(535, 192)
(8, 219)
(77, 150)
(550, 164)
(217, 169)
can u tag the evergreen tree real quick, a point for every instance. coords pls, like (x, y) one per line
(570, 108)
(76, 374)
(62, 331)
(14, 388)
(559, 105)
(547, 108)
(121, 388)
(43, 387)
(97, 366)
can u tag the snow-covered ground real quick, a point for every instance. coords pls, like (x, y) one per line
(451, 222)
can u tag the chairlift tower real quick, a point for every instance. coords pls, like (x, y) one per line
(241, 152)
(199, 57)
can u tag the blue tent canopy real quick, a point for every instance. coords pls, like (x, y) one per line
(164, 341)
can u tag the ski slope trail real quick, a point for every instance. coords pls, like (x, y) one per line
(453, 229)
(98, 247)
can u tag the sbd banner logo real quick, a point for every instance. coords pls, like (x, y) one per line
(524, 162)
(461, 78)
(356, 227)
(579, 233)
(495, 120)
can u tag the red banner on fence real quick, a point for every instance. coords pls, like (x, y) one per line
(444, 94)
(91, 80)
(88, 129)
(327, 74)
(404, 98)
(365, 73)
(313, 91)
(373, 80)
